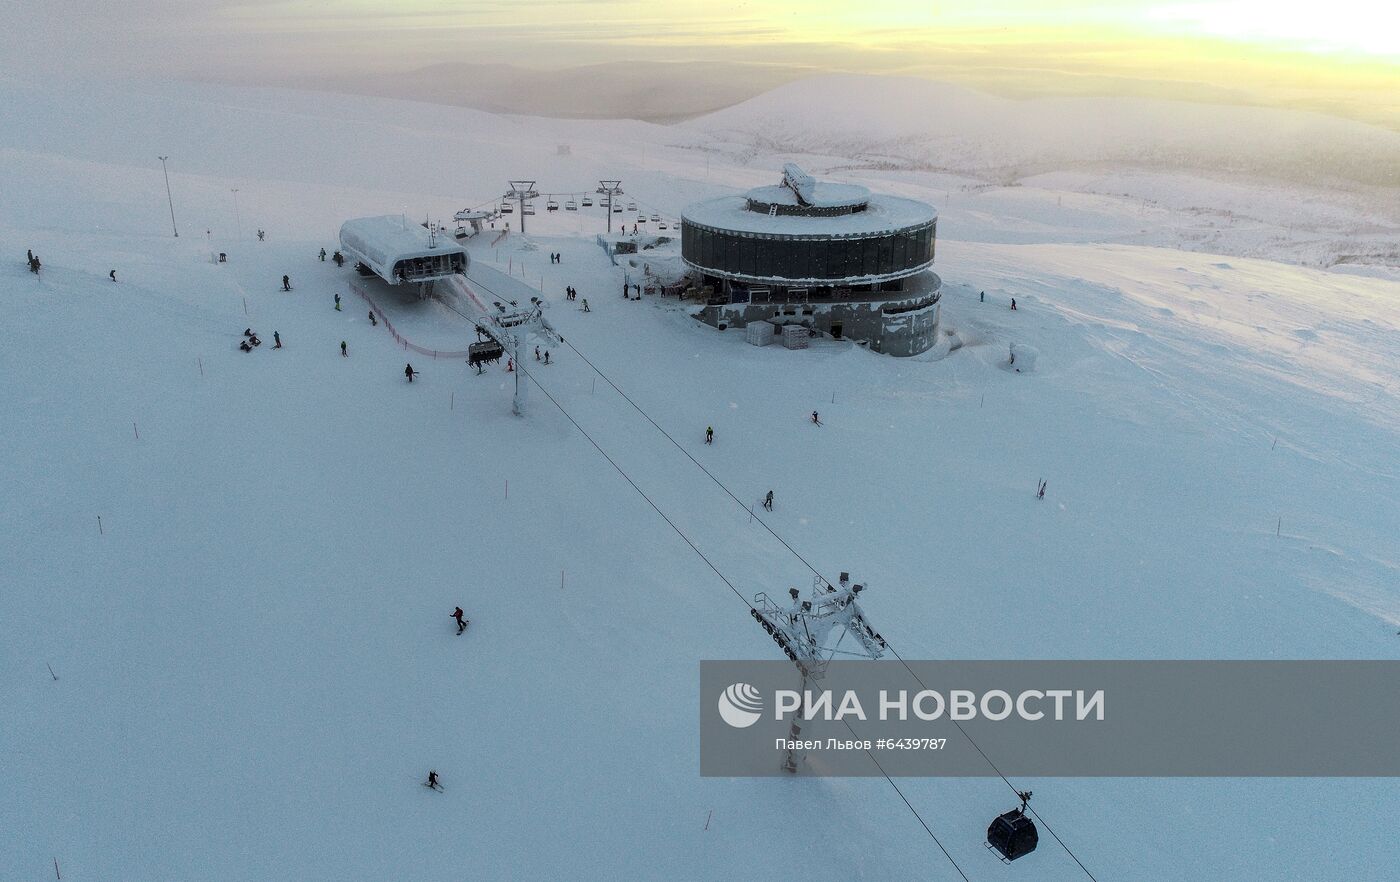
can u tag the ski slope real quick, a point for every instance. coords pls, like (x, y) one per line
(256, 665)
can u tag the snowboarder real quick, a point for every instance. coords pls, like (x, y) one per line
(461, 622)
(337, 303)
(433, 781)
(408, 371)
(286, 283)
(709, 435)
(276, 340)
(338, 258)
(768, 501)
(585, 305)
(323, 255)
(372, 320)
(245, 347)
(1013, 303)
(343, 353)
(816, 419)
(247, 332)
(254, 340)
(112, 275)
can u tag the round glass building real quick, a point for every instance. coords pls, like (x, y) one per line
(845, 256)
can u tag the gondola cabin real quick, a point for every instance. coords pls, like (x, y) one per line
(1012, 835)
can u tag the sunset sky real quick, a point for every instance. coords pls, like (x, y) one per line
(1341, 56)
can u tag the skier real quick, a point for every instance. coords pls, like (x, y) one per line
(709, 435)
(323, 255)
(768, 501)
(337, 303)
(245, 347)
(286, 283)
(338, 258)
(343, 353)
(260, 235)
(982, 297)
(253, 340)
(408, 371)
(585, 305)
(30, 259)
(247, 332)
(34, 264)
(276, 340)
(461, 622)
(816, 419)
(546, 356)
(432, 781)
(1013, 303)
(625, 288)
(372, 320)
(537, 353)
(1040, 491)
(112, 275)
(510, 365)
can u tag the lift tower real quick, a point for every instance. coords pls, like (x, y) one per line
(521, 191)
(609, 189)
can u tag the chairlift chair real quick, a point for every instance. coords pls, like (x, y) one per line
(617, 209)
(641, 218)
(588, 202)
(507, 208)
(655, 218)
(529, 209)
(631, 206)
(551, 206)
(663, 226)
(571, 205)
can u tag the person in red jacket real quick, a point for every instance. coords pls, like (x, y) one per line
(461, 622)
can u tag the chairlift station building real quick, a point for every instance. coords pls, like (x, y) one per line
(398, 251)
(835, 258)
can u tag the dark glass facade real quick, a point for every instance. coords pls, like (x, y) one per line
(763, 257)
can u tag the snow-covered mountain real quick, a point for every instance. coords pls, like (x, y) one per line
(253, 661)
(911, 123)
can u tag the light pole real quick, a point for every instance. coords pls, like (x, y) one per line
(236, 217)
(168, 198)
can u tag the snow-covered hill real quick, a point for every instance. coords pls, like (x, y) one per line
(912, 123)
(254, 657)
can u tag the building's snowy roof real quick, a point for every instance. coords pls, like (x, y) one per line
(884, 214)
(391, 238)
(818, 195)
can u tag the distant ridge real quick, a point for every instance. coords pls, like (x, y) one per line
(660, 92)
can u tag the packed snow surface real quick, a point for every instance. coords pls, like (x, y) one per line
(225, 632)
